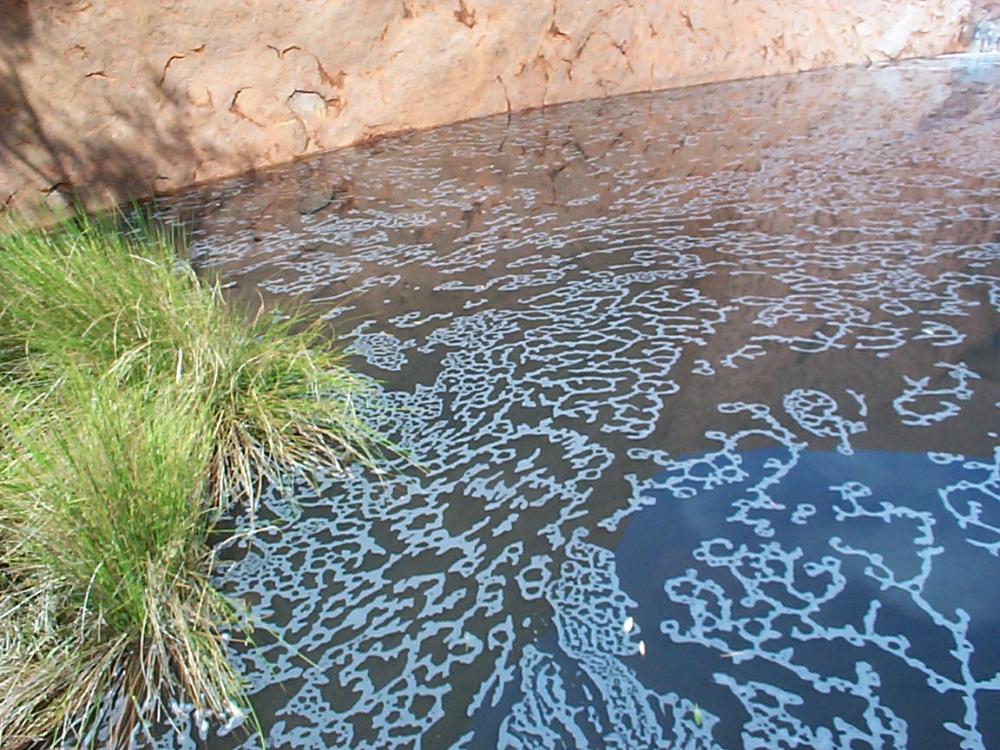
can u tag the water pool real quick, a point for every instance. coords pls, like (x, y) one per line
(706, 390)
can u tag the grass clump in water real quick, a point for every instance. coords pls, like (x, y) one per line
(137, 405)
(108, 604)
(115, 299)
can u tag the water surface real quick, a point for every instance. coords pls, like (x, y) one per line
(720, 364)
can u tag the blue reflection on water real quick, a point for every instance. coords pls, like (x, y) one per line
(874, 611)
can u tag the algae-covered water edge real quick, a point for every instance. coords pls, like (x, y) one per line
(705, 385)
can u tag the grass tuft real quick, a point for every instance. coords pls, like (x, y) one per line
(137, 405)
(116, 299)
(108, 600)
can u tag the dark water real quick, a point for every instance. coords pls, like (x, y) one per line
(720, 364)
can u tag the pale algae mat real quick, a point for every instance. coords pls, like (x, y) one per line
(704, 386)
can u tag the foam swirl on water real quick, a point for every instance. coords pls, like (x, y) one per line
(720, 364)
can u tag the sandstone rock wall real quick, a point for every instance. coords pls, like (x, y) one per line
(106, 99)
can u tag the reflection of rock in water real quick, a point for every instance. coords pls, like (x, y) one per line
(721, 360)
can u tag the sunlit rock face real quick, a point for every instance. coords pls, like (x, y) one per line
(119, 98)
(705, 390)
